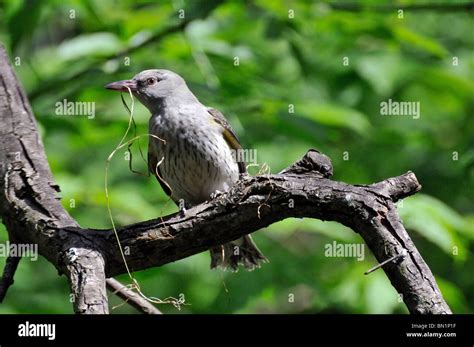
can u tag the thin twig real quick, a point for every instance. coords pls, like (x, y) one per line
(395, 257)
(131, 297)
(6, 281)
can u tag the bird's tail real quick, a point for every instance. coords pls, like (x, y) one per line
(239, 252)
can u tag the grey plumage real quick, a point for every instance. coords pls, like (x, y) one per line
(197, 157)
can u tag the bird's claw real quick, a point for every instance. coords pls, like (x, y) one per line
(216, 194)
(182, 211)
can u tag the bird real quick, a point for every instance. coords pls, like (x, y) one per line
(193, 157)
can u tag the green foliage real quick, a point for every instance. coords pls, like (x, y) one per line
(282, 61)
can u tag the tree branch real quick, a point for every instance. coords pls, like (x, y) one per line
(6, 281)
(29, 205)
(131, 297)
(33, 214)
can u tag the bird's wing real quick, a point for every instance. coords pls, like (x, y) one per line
(155, 170)
(230, 137)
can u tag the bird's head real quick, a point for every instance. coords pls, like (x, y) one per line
(151, 87)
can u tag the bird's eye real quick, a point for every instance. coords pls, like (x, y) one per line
(150, 81)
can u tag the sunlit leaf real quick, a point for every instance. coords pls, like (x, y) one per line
(335, 115)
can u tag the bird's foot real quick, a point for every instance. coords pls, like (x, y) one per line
(216, 194)
(182, 209)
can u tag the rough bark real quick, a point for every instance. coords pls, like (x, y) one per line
(29, 204)
(32, 213)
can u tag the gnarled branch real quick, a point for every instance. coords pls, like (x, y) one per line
(33, 214)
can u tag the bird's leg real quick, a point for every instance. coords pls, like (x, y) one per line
(182, 208)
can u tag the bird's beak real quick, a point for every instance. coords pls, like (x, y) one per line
(123, 86)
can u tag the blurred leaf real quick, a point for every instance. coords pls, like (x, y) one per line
(384, 71)
(96, 44)
(446, 80)
(437, 222)
(419, 41)
(453, 296)
(380, 297)
(334, 115)
(332, 230)
(22, 20)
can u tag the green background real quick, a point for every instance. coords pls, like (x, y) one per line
(282, 61)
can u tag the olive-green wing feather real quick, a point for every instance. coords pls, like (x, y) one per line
(155, 170)
(230, 137)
